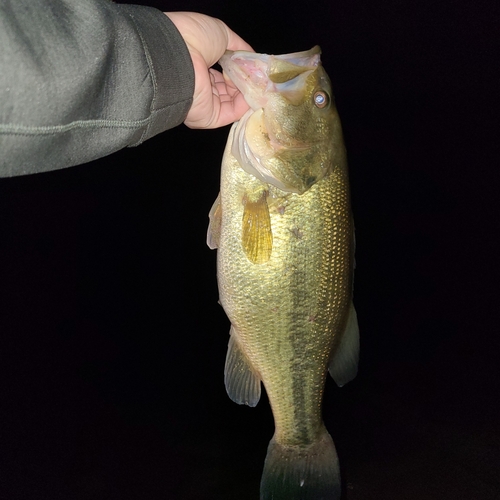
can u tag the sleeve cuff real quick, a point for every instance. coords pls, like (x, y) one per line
(172, 72)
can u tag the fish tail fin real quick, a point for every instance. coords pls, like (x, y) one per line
(301, 473)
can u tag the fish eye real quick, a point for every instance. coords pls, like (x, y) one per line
(320, 99)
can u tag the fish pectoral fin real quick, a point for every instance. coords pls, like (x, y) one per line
(215, 216)
(257, 235)
(344, 364)
(241, 380)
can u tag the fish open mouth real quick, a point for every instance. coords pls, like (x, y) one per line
(257, 74)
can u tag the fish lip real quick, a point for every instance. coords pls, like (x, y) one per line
(249, 71)
(308, 58)
(252, 92)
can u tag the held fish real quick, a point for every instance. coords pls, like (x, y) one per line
(284, 231)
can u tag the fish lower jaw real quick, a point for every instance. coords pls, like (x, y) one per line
(255, 152)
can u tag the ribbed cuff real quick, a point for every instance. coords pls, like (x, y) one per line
(171, 69)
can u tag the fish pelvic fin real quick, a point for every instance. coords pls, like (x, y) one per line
(241, 380)
(301, 473)
(257, 236)
(344, 365)
(214, 226)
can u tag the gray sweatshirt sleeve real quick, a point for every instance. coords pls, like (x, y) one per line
(80, 79)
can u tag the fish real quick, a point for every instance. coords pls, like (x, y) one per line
(283, 228)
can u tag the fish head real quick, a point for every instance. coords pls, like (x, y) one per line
(287, 138)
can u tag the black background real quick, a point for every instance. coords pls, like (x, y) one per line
(112, 341)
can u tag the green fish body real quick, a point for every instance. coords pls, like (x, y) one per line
(284, 231)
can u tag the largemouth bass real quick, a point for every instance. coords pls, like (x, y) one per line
(284, 231)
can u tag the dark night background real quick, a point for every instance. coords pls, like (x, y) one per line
(112, 341)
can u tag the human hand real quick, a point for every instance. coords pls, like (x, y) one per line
(216, 101)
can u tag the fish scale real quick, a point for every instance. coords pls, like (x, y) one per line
(285, 267)
(281, 302)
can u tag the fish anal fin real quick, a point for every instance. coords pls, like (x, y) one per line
(344, 364)
(257, 236)
(214, 226)
(241, 380)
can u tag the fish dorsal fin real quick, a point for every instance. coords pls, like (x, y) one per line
(256, 234)
(241, 380)
(344, 364)
(215, 216)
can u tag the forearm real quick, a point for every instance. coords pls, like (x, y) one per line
(82, 79)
